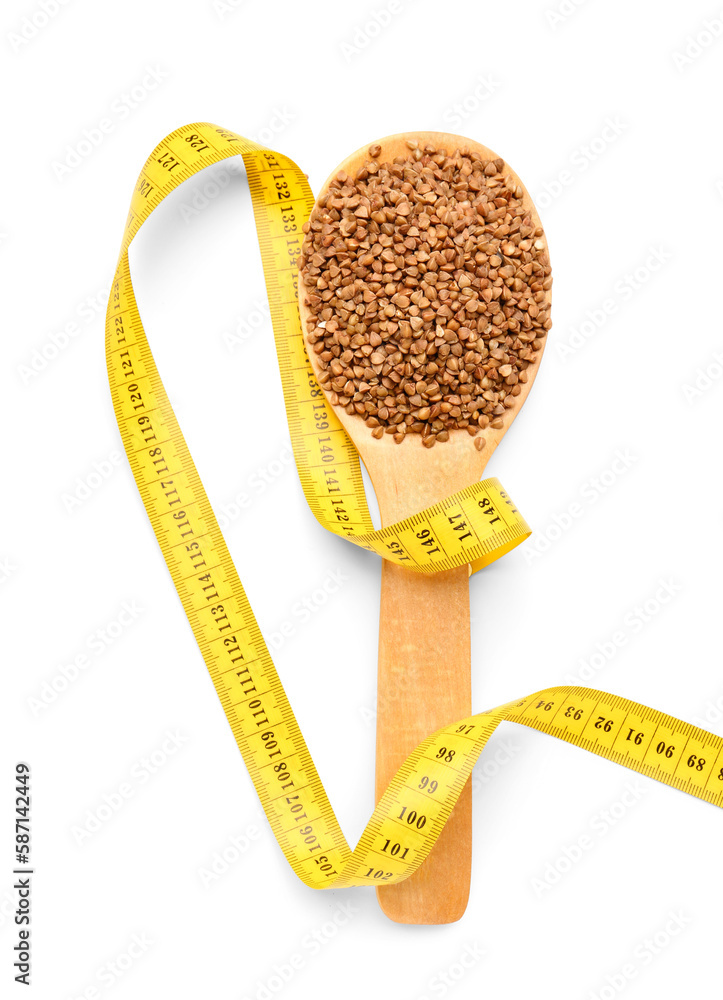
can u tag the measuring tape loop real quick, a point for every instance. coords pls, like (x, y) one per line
(413, 810)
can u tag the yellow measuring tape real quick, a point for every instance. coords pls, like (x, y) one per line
(474, 526)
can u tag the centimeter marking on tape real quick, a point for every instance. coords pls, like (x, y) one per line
(474, 526)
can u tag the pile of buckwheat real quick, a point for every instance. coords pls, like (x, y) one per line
(426, 281)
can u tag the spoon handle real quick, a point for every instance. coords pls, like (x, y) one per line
(423, 684)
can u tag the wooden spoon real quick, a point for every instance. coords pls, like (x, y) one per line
(424, 629)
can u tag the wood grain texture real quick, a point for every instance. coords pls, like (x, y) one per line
(424, 633)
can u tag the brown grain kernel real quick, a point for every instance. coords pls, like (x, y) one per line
(479, 443)
(426, 284)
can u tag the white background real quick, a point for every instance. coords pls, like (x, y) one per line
(596, 98)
